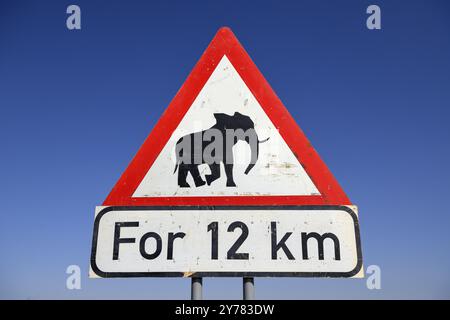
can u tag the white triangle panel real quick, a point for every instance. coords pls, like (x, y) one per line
(277, 170)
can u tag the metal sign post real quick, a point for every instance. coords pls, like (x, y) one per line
(248, 288)
(197, 289)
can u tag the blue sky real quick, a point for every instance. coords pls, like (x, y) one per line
(76, 105)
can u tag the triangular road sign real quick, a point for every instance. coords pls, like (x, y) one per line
(226, 89)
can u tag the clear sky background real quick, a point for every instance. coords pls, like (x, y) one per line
(76, 105)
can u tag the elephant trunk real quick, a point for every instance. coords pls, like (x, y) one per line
(254, 147)
(255, 153)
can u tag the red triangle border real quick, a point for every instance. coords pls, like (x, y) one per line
(225, 43)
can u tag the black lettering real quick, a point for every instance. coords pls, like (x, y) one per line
(118, 240)
(320, 239)
(172, 238)
(232, 254)
(214, 228)
(280, 245)
(158, 249)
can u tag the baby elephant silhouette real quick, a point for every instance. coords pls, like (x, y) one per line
(190, 149)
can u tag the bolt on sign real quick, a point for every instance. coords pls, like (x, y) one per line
(226, 184)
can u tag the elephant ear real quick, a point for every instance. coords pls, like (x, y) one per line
(242, 121)
(222, 120)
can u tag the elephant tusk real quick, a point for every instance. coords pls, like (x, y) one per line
(262, 141)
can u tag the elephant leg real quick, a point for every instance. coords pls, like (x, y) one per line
(229, 173)
(196, 175)
(182, 175)
(215, 173)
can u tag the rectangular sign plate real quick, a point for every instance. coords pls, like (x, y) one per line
(303, 241)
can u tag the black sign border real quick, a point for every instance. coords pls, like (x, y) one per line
(349, 274)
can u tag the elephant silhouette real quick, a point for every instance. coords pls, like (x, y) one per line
(214, 146)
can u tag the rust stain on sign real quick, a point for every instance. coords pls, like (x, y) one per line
(188, 274)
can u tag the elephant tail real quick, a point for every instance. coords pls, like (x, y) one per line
(262, 141)
(176, 167)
